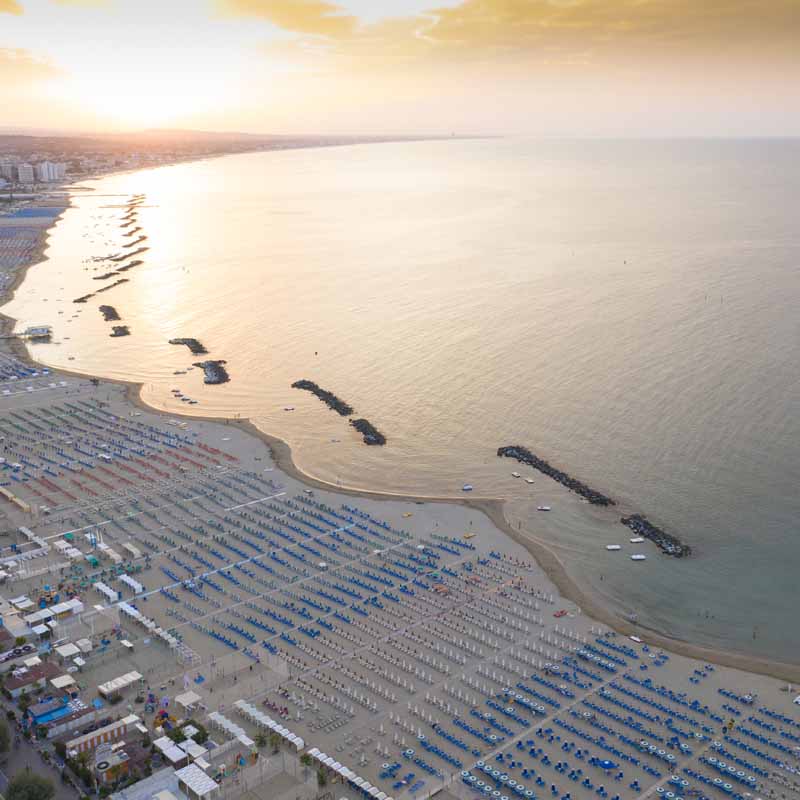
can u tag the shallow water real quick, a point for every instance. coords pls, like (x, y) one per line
(625, 309)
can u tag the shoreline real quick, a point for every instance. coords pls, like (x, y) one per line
(590, 605)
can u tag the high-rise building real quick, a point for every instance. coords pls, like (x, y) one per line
(25, 173)
(47, 171)
(8, 170)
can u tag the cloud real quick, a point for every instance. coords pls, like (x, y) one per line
(314, 17)
(20, 67)
(10, 7)
(553, 32)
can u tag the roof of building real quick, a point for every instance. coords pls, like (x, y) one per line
(32, 675)
(197, 780)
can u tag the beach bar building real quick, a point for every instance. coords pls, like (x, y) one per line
(107, 734)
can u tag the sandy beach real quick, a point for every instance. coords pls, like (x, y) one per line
(504, 613)
(494, 508)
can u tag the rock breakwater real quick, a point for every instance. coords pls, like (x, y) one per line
(525, 456)
(369, 432)
(330, 399)
(109, 313)
(215, 371)
(194, 345)
(668, 544)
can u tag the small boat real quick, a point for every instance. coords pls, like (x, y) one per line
(613, 547)
(515, 475)
(638, 557)
(469, 535)
(543, 508)
(288, 408)
(528, 480)
(467, 487)
(637, 540)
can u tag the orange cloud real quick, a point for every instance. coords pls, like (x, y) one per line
(569, 32)
(314, 17)
(10, 7)
(20, 67)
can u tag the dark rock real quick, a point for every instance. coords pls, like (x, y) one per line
(109, 313)
(523, 455)
(370, 433)
(193, 345)
(666, 542)
(215, 371)
(330, 399)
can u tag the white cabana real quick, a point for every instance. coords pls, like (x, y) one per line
(67, 650)
(130, 582)
(106, 591)
(196, 783)
(62, 681)
(188, 699)
(118, 684)
(262, 720)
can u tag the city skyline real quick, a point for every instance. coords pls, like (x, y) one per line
(530, 67)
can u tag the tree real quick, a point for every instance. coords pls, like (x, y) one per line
(322, 778)
(275, 742)
(5, 736)
(30, 786)
(261, 740)
(305, 760)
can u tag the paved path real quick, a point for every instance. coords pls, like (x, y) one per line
(26, 757)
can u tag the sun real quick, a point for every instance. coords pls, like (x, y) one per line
(147, 95)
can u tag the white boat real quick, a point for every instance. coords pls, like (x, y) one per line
(637, 540)
(543, 508)
(288, 408)
(467, 487)
(515, 475)
(528, 480)
(638, 557)
(613, 547)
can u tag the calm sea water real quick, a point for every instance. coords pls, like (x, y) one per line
(628, 310)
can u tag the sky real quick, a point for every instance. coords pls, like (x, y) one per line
(525, 67)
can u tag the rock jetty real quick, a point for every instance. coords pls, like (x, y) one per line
(668, 544)
(133, 253)
(119, 330)
(523, 455)
(330, 399)
(370, 433)
(135, 242)
(195, 346)
(102, 289)
(215, 371)
(109, 313)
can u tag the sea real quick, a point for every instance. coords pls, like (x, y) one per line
(627, 310)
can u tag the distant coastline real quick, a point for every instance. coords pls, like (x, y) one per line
(591, 604)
